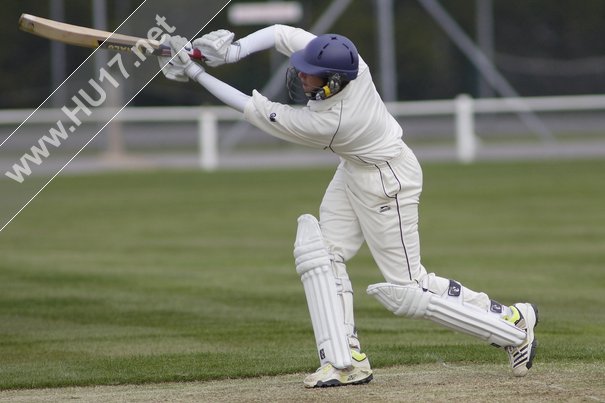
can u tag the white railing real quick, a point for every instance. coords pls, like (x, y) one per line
(463, 109)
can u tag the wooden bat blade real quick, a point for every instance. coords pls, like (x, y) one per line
(85, 37)
(93, 38)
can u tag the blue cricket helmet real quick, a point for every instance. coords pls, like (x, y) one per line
(326, 55)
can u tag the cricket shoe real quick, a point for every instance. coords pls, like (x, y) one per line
(525, 317)
(359, 373)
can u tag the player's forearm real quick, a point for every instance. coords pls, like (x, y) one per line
(227, 94)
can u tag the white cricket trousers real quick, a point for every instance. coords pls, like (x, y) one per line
(379, 204)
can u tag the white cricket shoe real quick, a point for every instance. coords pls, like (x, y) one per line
(525, 317)
(359, 373)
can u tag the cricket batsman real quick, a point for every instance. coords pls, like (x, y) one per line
(373, 198)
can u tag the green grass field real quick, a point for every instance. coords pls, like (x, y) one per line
(174, 276)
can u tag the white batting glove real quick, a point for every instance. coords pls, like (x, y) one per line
(217, 47)
(180, 67)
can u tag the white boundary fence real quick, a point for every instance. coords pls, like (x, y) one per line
(463, 108)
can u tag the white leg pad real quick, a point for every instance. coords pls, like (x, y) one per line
(314, 265)
(411, 301)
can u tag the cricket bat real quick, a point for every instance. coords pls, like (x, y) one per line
(93, 38)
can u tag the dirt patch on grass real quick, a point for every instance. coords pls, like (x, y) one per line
(432, 382)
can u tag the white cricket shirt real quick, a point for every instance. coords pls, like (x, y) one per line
(354, 123)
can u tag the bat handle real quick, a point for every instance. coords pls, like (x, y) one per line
(164, 51)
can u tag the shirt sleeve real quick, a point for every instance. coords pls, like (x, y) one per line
(284, 38)
(262, 39)
(223, 91)
(289, 39)
(296, 125)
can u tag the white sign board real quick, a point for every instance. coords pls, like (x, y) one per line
(265, 13)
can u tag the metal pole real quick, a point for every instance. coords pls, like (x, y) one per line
(58, 68)
(386, 50)
(329, 17)
(99, 21)
(485, 66)
(115, 143)
(485, 39)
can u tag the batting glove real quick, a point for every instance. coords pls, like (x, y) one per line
(179, 67)
(217, 47)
